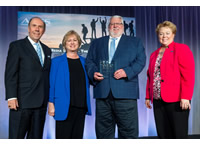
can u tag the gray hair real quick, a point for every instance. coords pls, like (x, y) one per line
(117, 16)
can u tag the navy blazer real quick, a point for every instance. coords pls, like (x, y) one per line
(59, 93)
(129, 55)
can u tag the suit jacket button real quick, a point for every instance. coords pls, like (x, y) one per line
(162, 80)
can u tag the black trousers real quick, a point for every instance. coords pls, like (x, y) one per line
(73, 126)
(171, 120)
(27, 123)
(121, 112)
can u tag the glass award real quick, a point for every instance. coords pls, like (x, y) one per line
(106, 68)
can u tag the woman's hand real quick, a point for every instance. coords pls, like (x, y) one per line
(185, 104)
(51, 109)
(147, 103)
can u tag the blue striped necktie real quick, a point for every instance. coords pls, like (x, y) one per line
(39, 52)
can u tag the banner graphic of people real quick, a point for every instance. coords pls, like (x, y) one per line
(89, 27)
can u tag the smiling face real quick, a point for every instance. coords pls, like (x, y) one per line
(116, 27)
(72, 44)
(165, 36)
(36, 29)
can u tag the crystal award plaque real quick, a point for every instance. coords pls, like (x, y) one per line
(106, 68)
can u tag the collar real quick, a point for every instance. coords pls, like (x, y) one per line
(32, 42)
(170, 45)
(115, 37)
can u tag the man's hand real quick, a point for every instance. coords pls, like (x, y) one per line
(51, 109)
(98, 76)
(13, 104)
(120, 73)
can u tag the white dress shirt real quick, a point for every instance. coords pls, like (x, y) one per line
(116, 43)
(33, 44)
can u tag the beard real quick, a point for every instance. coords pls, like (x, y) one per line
(115, 34)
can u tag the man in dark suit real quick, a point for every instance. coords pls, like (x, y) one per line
(116, 93)
(27, 83)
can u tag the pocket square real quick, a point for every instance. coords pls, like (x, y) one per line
(49, 56)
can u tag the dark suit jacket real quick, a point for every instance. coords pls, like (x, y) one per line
(130, 56)
(25, 78)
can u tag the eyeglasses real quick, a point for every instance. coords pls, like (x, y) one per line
(117, 24)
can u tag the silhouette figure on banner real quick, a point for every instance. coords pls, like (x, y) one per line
(84, 32)
(93, 26)
(125, 27)
(103, 26)
(131, 30)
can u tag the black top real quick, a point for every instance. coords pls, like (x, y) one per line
(77, 83)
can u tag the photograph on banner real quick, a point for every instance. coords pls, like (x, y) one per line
(89, 27)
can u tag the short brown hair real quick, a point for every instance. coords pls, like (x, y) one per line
(168, 24)
(69, 33)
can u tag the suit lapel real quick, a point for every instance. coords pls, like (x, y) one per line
(106, 42)
(154, 61)
(66, 73)
(32, 51)
(119, 47)
(83, 64)
(86, 76)
(45, 53)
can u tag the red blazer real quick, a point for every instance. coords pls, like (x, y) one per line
(177, 70)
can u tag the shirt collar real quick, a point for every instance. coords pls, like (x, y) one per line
(115, 37)
(32, 42)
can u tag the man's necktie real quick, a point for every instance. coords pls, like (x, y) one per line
(112, 49)
(38, 50)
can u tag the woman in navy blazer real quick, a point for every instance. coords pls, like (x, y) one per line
(170, 83)
(69, 98)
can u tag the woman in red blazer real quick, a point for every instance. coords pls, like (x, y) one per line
(170, 83)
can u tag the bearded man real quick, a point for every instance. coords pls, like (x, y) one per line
(113, 64)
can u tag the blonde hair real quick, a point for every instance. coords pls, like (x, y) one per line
(68, 34)
(168, 24)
